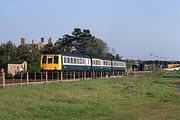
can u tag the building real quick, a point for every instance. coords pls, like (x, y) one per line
(17, 66)
(33, 44)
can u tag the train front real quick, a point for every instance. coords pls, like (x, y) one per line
(51, 62)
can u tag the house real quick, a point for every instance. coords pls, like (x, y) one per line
(17, 66)
(39, 45)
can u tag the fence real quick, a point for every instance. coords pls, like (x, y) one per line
(27, 78)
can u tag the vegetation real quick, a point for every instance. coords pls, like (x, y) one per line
(9, 52)
(81, 41)
(97, 99)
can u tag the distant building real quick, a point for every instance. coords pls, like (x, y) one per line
(33, 44)
(150, 65)
(17, 66)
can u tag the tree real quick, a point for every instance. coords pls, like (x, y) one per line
(31, 55)
(109, 56)
(82, 41)
(118, 57)
(8, 54)
(65, 43)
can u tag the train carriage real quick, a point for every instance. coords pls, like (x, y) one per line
(118, 65)
(79, 63)
(63, 61)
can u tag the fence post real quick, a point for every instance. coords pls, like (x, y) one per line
(101, 73)
(46, 77)
(27, 79)
(52, 76)
(35, 77)
(13, 79)
(21, 78)
(61, 75)
(82, 75)
(4, 84)
(74, 75)
(85, 74)
(41, 77)
(57, 73)
(93, 74)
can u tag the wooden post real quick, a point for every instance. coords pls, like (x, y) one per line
(41, 77)
(21, 78)
(61, 75)
(84, 74)
(52, 76)
(66, 76)
(46, 76)
(35, 77)
(101, 73)
(91, 74)
(13, 79)
(74, 75)
(57, 75)
(4, 84)
(27, 79)
(107, 74)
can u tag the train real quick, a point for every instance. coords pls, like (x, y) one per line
(64, 61)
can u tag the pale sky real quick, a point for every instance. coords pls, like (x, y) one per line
(134, 28)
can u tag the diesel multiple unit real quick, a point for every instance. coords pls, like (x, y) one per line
(62, 61)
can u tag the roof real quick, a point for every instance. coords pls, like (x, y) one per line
(65, 53)
(17, 62)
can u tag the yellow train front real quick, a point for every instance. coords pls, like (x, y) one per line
(51, 62)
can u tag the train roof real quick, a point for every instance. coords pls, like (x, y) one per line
(65, 53)
(75, 55)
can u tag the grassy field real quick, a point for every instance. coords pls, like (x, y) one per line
(129, 98)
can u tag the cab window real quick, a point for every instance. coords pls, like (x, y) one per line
(56, 59)
(50, 59)
(44, 59)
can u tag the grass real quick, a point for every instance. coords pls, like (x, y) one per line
(97, 99)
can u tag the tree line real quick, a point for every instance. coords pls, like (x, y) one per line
(79, 42)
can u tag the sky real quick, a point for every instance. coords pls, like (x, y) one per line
(134, 28)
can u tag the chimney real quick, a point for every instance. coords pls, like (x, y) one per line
(50, 41)
(32, 41)
(42, 40)
(22, 41)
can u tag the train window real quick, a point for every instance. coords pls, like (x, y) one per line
(77, 61)
(80, 61)
(74, 60)
(44, 59)
(56, 59)
(65, 61)
(105, 63)
(50, 59)
(99, 63)
(68, 60)
(93, 62)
